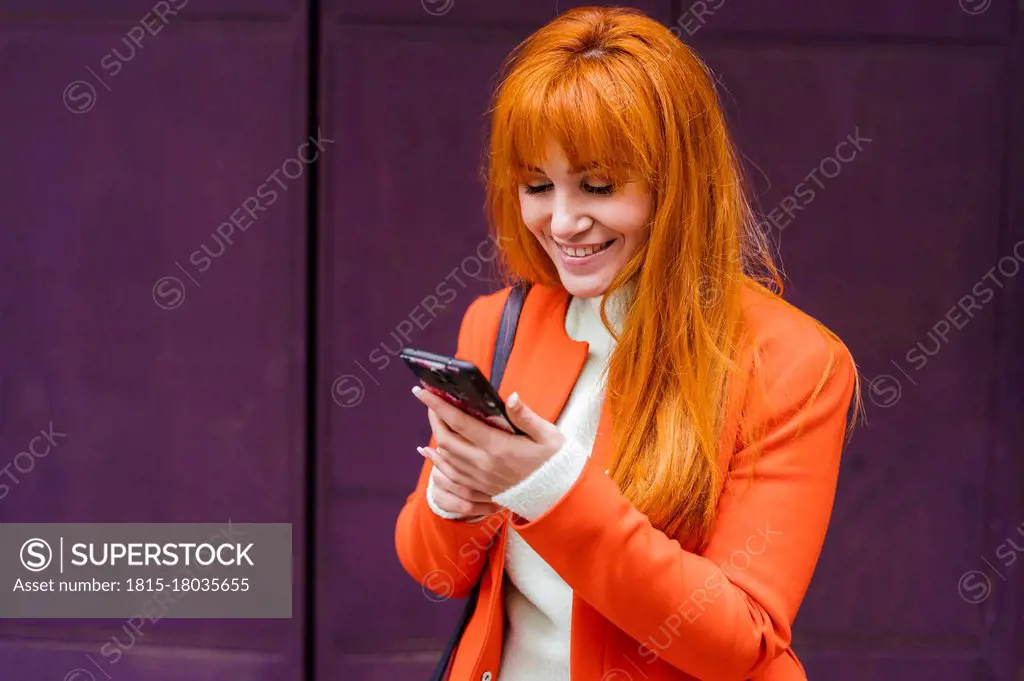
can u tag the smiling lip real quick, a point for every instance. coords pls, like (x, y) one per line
(584, 254)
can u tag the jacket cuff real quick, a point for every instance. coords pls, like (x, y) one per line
(542, 489)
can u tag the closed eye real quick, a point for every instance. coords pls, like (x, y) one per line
(604, 189)
(590, 188)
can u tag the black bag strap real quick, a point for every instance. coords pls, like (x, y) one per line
(502, 349)
(507, 331)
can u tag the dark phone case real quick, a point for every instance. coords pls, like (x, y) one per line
(462, 384)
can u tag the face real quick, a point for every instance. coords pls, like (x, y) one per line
(588, 227)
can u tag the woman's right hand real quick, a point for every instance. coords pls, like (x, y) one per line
(455, 498)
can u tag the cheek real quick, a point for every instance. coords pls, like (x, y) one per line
(533, 215)
(628, 219)
(640, 210)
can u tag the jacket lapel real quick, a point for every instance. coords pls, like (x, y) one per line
(545, 362)
(599, 455)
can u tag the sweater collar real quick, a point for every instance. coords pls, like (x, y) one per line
(583, 315)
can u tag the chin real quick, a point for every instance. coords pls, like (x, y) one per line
(579, 287)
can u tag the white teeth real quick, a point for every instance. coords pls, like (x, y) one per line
(584, 251)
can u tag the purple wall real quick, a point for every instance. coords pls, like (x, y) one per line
(187, 414)
(187, 399)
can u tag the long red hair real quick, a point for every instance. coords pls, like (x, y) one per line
(616, 88)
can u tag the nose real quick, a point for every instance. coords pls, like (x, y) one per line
(566, 219)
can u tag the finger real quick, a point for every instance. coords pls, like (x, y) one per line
(438, 427)
(442, 433)
(469, 427)
(441, 481)
(453, 504)
(461, 451)
(467, 468)
(486, 508)
(457, 452)
(481, 478)
(535, 427)
(462, 477)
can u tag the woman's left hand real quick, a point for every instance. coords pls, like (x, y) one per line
(482, 457)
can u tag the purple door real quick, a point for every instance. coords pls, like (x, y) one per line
(170, 362)
(163, 347)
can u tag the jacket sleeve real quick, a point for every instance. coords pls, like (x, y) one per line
(723, 615)
(444, 555)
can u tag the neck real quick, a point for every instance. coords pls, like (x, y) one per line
(618, 302)
(583, 318)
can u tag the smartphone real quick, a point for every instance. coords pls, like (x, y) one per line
(462, 384)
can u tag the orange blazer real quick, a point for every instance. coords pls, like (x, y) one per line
(645, 609)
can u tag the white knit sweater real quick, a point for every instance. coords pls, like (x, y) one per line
(538, 603)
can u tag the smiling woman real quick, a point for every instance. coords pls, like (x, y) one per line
(683, 425)
(588, 224)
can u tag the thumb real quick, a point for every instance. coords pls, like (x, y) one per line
(526, 419)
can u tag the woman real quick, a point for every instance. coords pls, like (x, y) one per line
(663, 514)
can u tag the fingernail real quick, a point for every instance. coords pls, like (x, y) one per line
(513, 400)
(423, 452)
(416, 390)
